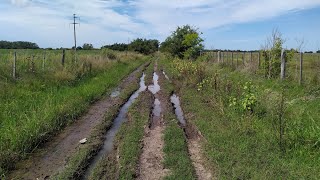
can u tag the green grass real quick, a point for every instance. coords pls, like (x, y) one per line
(243, 145)
(131, 134)
(176, 156)
(33, 108)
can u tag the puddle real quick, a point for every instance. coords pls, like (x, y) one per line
(115, 93)
(109, 137)
(157, 108)
(177, 108)
(155, 87)
(165, 75)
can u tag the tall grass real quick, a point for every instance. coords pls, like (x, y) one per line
(243, 143)
(37, 105)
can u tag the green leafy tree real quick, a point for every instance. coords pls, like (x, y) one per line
(18, 45)
(184, 42)
(144, 46)
(87, 46)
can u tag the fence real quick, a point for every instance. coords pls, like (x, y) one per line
(303, 68)
(15, 64)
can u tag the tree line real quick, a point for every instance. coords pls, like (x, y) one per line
(18, 45)
(144, 46)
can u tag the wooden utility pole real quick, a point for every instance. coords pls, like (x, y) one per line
(75, 35)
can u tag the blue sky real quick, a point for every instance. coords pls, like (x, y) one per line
(232, 24)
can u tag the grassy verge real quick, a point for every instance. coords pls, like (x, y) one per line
(243, 143)
(176, 156)
(32, 114)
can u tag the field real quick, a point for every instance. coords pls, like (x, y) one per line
(156, 117)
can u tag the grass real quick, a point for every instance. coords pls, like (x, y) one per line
(131, 135)
(33, 108)
(245, 145)
(176, 155)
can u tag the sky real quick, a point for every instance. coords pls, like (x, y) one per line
(225, 24)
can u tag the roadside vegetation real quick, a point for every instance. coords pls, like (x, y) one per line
(255, 128)
(38, 104)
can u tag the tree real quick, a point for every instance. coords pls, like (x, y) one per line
(87, 46)
(144, 46)
(117, 47)
(184, 42)
(318, 51)
(18, 45)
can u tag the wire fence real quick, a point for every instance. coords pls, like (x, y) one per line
(302, 68)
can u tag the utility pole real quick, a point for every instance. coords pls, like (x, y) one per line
(75, 36)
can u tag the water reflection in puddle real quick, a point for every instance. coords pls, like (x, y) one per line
(155, 87)
(177, 108)
(109, 137)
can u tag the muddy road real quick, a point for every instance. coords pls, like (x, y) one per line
(53, 155)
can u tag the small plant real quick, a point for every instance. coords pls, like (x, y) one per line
(248, 99)
(203, 84)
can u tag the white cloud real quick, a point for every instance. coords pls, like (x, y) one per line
(20, 2)
(107, 21)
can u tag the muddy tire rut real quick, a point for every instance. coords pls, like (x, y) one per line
(152, 156)
(54, 154)
(193, 138)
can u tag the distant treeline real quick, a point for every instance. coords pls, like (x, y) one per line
(144, 46)
(18, 45)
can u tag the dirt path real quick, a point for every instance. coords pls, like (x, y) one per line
(195, 151)
(150, 161)
(54, 155)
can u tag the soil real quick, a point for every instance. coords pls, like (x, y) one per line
(54, 154)
(150, 161)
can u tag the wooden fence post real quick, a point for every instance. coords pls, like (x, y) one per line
(14, 65)
(237, 59)
(219, 56)
(301, 63)
(283, 64)
(63, 57)
(33, 64)
(243, 57)
(222, 56)
(231, 58)
(44, 61)
(259, 61)
(251, 56)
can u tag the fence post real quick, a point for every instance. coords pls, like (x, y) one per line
(219, 56)
(301, 62)
(14, 65)
(259, 61)
(32, 64)
(44, 61)
(283, 64)
(63, 57)
(222, 56)
(251, 56)
(231, 58)
(237, 59)
(243, 57)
